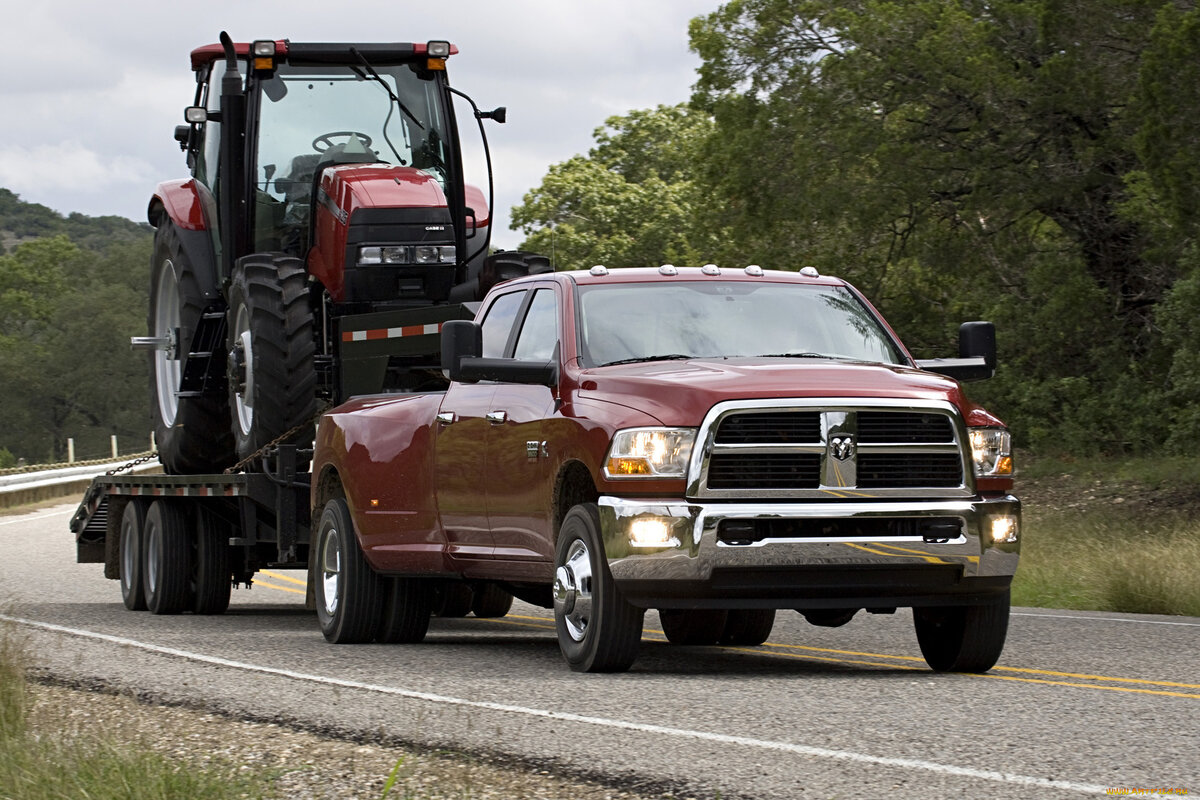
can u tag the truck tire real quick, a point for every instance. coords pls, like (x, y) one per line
(168, 555)
(453, 599)
(272, 375)
(491, 602)
(404, 618)
(133, 525)
(748, 627)
(598, 630)
(693, 626)
(192, 433)
(212, 576)
(349, 593)
(962, 638)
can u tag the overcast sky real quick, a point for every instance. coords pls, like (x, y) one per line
(90, 92)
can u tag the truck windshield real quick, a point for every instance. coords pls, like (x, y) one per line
(340, 114)
(621, 323)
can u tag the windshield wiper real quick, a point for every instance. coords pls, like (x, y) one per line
(800, 355)
(641, 359)
(375, 75)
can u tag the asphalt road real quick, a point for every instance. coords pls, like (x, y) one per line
(1081, 703)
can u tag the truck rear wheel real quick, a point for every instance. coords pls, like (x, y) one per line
(168, 556)
(962, 638)
(748, 627)
(348, 592)
(693, 626)
(598, 630)
(212, 575)
(133, 524)
(192, 433)
(272, 376)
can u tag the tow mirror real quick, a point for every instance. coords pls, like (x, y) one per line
(461, 338)
(976, 354)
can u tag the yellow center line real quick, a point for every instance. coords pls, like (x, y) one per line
(267, 585)
(839, 656)
(279, 576)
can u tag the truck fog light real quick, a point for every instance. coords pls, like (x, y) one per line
(1004, 529)
(651, 532)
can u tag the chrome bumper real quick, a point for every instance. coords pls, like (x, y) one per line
(691, 551)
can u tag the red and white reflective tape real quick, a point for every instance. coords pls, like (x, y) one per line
(232, 490)
(391, 333)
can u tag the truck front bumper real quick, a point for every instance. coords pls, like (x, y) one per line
(672, 553)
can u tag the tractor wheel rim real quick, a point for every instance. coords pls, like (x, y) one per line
(244, 393)
(167, 367)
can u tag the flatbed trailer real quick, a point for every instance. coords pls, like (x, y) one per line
(180, 542)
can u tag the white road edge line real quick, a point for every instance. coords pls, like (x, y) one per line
(1105, 619)
(35, 519)
(683, 733)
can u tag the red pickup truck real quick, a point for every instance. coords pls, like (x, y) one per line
(713, 443)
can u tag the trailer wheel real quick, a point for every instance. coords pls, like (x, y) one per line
(212, 575)
(405, 615)
(491, 602)
(168, 555)
(272, 375)
(693, 626)
(598, 630)
(133, 524)
(962, 638)
(192, 433)
(453, 599)
(349, 593)
(748, 627)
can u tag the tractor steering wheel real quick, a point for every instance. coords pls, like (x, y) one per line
(325, 140)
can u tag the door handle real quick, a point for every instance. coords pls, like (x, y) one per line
(497, 417)
(447, 417)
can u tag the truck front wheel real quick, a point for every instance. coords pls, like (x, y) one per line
(598, 630)
(272, 376)
(348, 592)
(962, 638)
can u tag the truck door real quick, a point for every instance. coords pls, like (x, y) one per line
(517, 451)
(462, 432)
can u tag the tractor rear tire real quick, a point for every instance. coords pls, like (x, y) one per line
(272, 376)
(192, 433)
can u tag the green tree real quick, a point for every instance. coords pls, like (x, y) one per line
(630, 201)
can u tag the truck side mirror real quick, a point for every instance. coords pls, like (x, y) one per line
(461, 338)
(978, 340)
(976, 354)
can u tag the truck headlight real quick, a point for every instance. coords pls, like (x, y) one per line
(991, 452)
(650, 453)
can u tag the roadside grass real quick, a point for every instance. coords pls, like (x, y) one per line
(34, 767)
(1112, 536)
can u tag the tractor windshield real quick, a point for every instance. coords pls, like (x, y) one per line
(311, 116)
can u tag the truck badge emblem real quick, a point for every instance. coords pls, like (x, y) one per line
(841, 447)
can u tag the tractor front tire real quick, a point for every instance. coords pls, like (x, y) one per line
(272, 377)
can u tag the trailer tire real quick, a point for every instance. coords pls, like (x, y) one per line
(132, 553)
(212, 575)
(192, 433)
(962, 638)
(693, 626)
(491, 602)
(349, 593)
(453, 599)
(748, 627)
(598, 629)
(271, 370)
(404, 618)
(167, 573)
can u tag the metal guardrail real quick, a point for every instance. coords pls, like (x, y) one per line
(31, 487)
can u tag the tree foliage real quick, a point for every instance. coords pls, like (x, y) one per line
(66, 315)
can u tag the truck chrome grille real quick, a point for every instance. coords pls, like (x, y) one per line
(806, 449)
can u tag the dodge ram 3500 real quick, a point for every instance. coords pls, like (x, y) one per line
(713, 443)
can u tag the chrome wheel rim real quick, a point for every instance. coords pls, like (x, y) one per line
(167, 369)
(244, 391)
(573, 590)
(331, 571)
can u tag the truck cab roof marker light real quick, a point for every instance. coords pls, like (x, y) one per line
(599, 271)
(668, 269)
(754, 271)
(810, 272)
(710, 269)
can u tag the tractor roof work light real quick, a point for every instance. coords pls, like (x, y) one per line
(263, 52)
(436, 53)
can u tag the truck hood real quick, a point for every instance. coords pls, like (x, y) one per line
(681, 392)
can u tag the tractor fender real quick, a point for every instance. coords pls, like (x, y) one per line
(187, 205)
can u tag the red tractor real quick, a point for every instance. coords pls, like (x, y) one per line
(324, 234)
